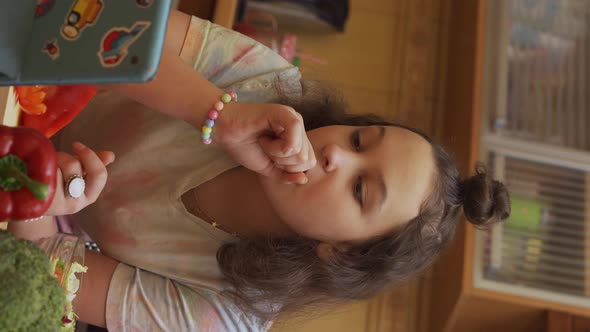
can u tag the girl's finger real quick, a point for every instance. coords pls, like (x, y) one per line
(69, 166)
(295, 173)
(298, 168)
(107, 157)
(311, 159)
(293, 178)
(285, 177)
(96, 173)
(287, 126)
(292, 161)
(274, 147)
(68, 163)
(301, 162)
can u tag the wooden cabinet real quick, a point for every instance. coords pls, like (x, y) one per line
(457, 304)
(565, 322)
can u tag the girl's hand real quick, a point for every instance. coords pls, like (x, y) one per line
(89, 164)
(269, 139)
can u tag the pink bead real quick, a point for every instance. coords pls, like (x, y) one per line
(233, 95)
(206, 141)
(213, 114)
(218, 105)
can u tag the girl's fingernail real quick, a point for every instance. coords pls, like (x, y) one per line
(304, 181)
(79, 146)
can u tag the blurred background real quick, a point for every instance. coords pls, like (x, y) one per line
(506, 82)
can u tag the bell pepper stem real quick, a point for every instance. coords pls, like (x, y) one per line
(39, 189)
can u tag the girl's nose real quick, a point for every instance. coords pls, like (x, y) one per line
(334, 157)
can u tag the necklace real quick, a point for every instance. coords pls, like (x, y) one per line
(203, 215)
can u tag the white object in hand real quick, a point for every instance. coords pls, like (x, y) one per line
(76, 186)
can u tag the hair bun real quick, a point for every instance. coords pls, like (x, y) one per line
(485, 200)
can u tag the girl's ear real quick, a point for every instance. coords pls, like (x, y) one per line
(326, 251)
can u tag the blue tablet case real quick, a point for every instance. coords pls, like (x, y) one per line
(80, 41)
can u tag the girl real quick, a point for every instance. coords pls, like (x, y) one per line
(271, 217)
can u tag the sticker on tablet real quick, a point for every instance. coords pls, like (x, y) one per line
(115, 44)
(43, 7)
(51, 48)
(84, 13)
(144, 3)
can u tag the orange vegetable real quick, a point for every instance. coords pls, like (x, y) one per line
(31, 98)
(62, 103)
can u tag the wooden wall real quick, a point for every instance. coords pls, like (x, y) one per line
(391, 61)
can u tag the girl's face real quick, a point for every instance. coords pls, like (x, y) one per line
(367, 181)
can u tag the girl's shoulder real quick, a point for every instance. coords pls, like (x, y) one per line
(230, 59)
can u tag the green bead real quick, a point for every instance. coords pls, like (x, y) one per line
(226, 98)
(205, 136)
(206, 130)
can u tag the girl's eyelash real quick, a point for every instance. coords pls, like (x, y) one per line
(358, 191)
(356, 140)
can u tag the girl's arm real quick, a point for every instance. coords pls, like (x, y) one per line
(90, 303)
(33, 230)
(177, 89)
(181, 92)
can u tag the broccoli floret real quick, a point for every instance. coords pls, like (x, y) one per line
(31, 299)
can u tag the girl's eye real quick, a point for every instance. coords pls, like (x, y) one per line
(358, 191)
(356, 140)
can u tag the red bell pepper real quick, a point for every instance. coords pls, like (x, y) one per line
(28, 173)
(62, 104)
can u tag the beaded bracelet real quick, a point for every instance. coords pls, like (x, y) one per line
(214, 114)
